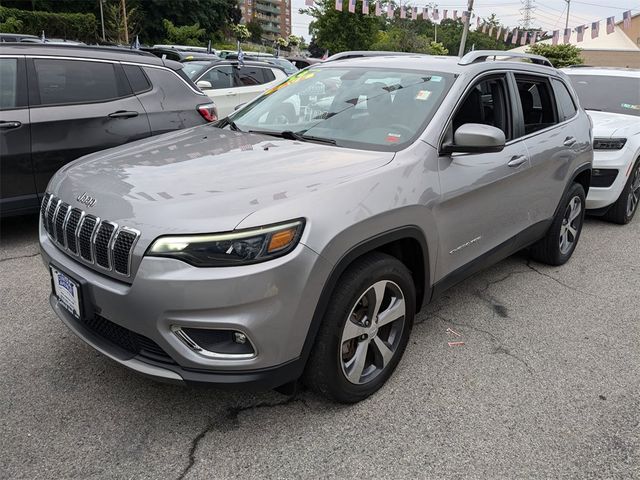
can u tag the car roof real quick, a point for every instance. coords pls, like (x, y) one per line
(437, 63)
(604, 71)
(224, 61)
(82, 51)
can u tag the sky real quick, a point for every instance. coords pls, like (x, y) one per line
(548, 14)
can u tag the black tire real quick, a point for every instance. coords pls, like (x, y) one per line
(325, 371)
(619, 212)
(548, 250)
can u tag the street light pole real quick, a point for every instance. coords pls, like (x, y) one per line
(102, 20)
(465, 30)
(566, 24)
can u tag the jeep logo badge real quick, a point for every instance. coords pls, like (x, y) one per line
(88, 200)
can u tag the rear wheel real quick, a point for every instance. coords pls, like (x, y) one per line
(364, 331)
(562, 237)
(623, 211)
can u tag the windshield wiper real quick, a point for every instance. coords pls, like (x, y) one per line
(593, 109)
(290, 135)
(227, 122)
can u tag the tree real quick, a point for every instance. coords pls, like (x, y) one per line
(184, 35)
(437, 49)
(11, 25)
(240, 32)
(338, 31)
(562, 55)
(114, 23)
(255, 29)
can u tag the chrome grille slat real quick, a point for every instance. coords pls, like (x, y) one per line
(102, 244)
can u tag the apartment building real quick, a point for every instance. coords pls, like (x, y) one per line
(273, 15)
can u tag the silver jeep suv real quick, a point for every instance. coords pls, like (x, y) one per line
(298, 237)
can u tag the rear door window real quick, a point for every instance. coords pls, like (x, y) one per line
(78, 81)
(137, 79)
(8, 83)
(538, 105)
(565, 103)
(249, 76)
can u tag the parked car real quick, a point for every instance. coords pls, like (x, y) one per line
(304, 62)
(16, 37)
(282, 63)
(180, 55)
(290, 240)
(225, 53)
(230, 86)
(364, 53)
(611, 97)
(79, 100)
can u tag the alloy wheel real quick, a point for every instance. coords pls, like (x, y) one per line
(570, 225)
(634, 192)
(372, 332)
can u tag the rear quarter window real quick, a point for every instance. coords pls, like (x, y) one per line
(565, 102)
(137, 79)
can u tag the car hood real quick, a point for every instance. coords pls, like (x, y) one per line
(607, 125)
(204, 179)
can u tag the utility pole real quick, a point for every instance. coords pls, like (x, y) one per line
(435, 26)
(102, 20)
(124, 17)
(465, 30)
(566, 24)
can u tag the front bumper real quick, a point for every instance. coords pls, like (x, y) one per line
(620, 160)
(272, 302)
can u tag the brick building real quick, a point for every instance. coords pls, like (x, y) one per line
(273, 15)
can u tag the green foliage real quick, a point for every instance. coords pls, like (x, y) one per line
(72, 26)
(438, 49)
(339, 31)
(240, 32)
(293, 40)
(11, 25)
(114, 23)
(282, 42)
(184, 35)
(255, 29)
(562, 55)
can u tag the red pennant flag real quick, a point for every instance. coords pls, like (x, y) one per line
(414, 13)
(403, 13)
(365, 7)
(455, 14)
(506, 35)
(580, 33)
(339, 5)
(436, 14)
(556, 37)
(567, 35)
(595, 29)
(532, 40)
(308, 3)
(425, 13)
(514, 38)
(352, 6)
(389, 10)
(498, 33)
(523, 39)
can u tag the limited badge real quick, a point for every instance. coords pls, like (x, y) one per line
(423, 95)
(393, 137)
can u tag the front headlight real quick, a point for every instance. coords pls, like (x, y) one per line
(242, 247)
(608, 143)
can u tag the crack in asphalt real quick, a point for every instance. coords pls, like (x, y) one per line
(498, 346)
(497, 306)
(560, 282)
(231, 415)
(31, 255)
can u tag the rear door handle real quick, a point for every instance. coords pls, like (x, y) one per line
(517, 161)
(10, 125)
(123, 114)
(569, 141)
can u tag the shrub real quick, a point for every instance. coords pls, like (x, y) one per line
(70, 26)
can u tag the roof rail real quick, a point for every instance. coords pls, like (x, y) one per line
(101, 48)
(482, 56)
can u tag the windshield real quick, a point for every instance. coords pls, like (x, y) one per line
(608, 93)
(378, 109)
(193, 69)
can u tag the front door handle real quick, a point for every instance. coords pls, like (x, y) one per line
(517, 160)
(123, 114)
(569, 141)
(9, 125)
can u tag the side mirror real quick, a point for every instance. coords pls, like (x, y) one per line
(239, 106)
(203, 84)
(476, 138)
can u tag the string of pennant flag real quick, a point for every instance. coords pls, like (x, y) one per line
(518, 35)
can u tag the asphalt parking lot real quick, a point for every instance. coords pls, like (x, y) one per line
(547, 385)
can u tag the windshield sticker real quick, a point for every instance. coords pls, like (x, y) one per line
(393, 137)
(423, 95)
(295, 78)
(436, 79)
(630, 106)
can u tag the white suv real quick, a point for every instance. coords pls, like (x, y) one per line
(611, 97)
(230, 86)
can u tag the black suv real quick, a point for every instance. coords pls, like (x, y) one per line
(58, 103)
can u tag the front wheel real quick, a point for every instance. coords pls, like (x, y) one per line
(364, 331)
(623, 211)
(561, 239)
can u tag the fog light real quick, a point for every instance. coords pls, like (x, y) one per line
(216, 343)
(240, 338)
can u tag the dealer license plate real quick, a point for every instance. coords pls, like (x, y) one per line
(67, 291)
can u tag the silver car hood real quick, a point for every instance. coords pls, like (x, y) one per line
(203, 179)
